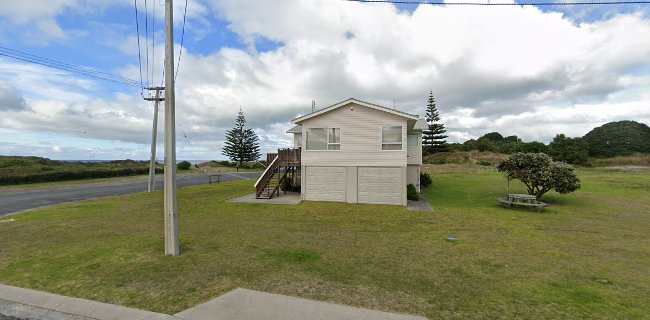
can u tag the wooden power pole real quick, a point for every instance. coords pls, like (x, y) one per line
(171, 207)
(154, 134)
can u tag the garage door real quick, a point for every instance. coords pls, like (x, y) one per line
(325, 184)
(380, 185)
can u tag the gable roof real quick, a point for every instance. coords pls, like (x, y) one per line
(359, 102)
(296, 129)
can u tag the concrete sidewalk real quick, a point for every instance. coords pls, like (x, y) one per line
(237, 304)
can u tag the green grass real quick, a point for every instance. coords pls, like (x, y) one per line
(586, 256)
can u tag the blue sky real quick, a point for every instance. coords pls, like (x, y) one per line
(491, 68)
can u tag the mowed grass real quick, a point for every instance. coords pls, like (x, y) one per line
(586, 256)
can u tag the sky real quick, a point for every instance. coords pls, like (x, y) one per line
(528, 71)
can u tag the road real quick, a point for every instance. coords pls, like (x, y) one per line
(14, 201)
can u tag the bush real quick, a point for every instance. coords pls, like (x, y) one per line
(184, 165)
(412, 193)
(540, 174)
(287, 185)
(425, 179)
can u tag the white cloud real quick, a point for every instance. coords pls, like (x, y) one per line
(509, 69)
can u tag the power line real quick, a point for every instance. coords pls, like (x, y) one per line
(26, 57)
(441, 3)
(180, 52)
(137, 29)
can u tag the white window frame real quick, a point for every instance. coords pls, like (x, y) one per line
(327, 129)
(381, 139)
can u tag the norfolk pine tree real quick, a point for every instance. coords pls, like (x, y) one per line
(433, 138)
(241, 144)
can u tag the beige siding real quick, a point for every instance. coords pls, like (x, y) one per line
(415, 153)
(413, 176)
(351, 184)
(360, 138)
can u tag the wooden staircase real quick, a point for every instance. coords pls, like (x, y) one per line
(286, 162)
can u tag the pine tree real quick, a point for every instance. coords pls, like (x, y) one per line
(241, 144)
(433, 138)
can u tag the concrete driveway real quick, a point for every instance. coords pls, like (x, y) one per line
(14, 201)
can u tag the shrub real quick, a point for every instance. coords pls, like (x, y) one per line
(184, 165)
(425, 179)
(412, 193)
(540, 174)
(285, 184)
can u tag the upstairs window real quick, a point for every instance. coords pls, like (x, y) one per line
(412, 140)
(391, 138)
(323, 138)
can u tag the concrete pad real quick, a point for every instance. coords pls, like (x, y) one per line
(420, 205)
(248, 304)
(22, 311)
(54, 303)
(289, 198)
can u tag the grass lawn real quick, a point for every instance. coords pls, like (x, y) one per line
(586, 256)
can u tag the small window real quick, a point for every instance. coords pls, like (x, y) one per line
(412, 140)
(323, 138)
(334, 139)
(391, 138)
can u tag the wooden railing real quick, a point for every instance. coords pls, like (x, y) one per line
(289, 157)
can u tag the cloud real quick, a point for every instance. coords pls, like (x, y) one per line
(57, 149)
(516, 70)
(10, 98)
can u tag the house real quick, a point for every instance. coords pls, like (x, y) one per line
(352, 151)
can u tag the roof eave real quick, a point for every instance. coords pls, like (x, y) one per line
(359, 102)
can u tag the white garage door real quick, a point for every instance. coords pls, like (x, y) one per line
(325, 183)
(380, 185)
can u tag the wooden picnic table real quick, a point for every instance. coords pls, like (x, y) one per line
(521, 198)
(524, 200)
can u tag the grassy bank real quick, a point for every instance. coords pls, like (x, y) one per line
(487, 158)
(19, 170)
(584, 257)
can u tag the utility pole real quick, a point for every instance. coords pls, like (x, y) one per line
(154, 134)
(171, 208)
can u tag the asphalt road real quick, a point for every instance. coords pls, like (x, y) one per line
(14, 201)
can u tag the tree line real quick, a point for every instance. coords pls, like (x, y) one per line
(612, 139)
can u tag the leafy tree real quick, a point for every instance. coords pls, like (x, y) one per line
(569, 150)
(540, 173)
(241, 144)
(618, 139)
(535, 147)
(493, 136)
(433, 138)
(183, 165)
(512, 138)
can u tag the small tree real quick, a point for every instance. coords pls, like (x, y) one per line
(569, 150)
(183, 165)
(540, 173)
(241, 144)
(433, 138)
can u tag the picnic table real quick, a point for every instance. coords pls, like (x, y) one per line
(214, 178)
(523, 200)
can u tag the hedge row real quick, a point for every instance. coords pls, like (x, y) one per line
(72, 175)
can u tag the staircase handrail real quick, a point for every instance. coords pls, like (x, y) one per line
(264, 175)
